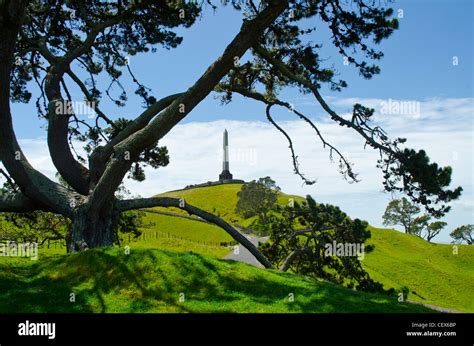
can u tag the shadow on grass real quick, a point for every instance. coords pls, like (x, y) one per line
(153, 280)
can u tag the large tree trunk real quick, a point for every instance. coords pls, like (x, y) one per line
(92, 228)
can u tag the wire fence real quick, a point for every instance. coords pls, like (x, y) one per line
(145, 236)
(153, 235)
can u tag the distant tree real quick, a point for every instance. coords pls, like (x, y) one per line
(130, 221)
(35, 227)
(257, 198)
(433, 229)
(401, 212)
(463, 233)
(419, 224)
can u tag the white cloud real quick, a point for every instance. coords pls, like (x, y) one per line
(36, 151)
(257, 149)
(194, 159)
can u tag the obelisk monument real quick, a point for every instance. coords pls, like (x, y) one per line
(225, 175)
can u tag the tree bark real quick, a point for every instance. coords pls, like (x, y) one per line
(41, 191)
(92, 228)
(73, 172)
(18, 203)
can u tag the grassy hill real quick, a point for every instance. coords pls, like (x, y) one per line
(432, 272)
(107, 280)
(220, 200)
(160, 268)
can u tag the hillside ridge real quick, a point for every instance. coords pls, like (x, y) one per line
(433, 274)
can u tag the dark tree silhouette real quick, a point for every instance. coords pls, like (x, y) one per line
(45, 41)
(302, 235)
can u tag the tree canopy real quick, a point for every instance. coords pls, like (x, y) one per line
(463, 233)
(44, 43)
(257, 198)
(402, 212)
(320, 240)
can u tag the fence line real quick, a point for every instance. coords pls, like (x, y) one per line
(167, 213)
(150, 235)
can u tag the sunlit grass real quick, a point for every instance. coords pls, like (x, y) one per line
(109, 280)
(433, 272)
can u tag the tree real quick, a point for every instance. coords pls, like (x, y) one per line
(402, 212)
(257, 198)
(301, 237)
(37, 227)
(433, 229)
(463, 233)
(45, 42)
(420, 223)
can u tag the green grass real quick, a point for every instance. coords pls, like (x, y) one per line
(220, 200)
(432, 271)
(193, 230)
(104, 280)
(107, 280)
(179, 245)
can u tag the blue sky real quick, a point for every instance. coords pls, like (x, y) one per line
(417, 62)
(418, 66)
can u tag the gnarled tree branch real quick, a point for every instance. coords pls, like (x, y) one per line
(292, 256)
(101, 154)
(286, 71)
(34, 185)
(16, 203)
(167, 202)
(345, 165)
(161, 125)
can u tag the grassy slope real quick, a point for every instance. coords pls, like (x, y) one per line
(431, 270)
(399, 260)
(189, 229)
(107, 280)
(220, 200)
(179, 245)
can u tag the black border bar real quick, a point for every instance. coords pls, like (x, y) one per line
(258, 329)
